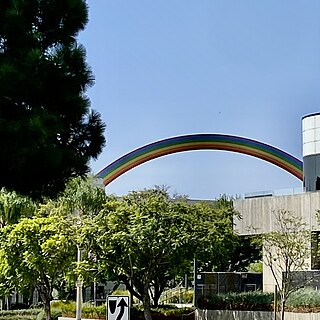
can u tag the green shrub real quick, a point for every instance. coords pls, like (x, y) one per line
(55, 313)
(4, 313)
(25, 314)
(98, 312)
(68, 308)
(172, 310)
(305, 297)
(119, 292)
(19, 317)
(166, 312)
(256, 267)
(60, 304)
(186, 297)
(255, 300)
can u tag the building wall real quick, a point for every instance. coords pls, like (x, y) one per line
(257, 217)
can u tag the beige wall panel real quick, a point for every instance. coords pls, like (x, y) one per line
(257, 212)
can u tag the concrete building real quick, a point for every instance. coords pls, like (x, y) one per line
(257, 211)
(257, 217)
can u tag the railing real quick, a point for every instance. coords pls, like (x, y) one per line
(279, 192)
(174, 295)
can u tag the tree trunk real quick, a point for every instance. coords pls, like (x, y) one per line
(47, 310)
(146, 305)
(158, 289)
(283, 305)
(45, 297)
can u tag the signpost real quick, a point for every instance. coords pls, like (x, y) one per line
(118, 307)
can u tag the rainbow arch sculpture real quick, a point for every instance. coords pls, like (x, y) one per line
(192, 142)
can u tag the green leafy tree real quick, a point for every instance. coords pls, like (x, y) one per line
(48, 133)
(13, 207)
(147, 237)
(286, 249)
(83, 198)
(244, 252)
(36, 252)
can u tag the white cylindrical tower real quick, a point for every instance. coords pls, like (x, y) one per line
(311, 151)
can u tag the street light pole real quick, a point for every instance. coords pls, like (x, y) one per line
(195, 276)
(79, 284)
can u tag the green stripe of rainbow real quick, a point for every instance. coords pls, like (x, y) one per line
(201, 142)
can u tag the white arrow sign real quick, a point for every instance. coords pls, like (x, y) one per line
(118, 307)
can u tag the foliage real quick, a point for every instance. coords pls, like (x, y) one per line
(94, 312)
(184, 297)
(170, 310)
(55, 313)
(48, 133)
(302, 299)
(239, 252)
(83, 196)
(99, 312)
(36, 252)
(147, 237)
(25, 314)
(245, 252)
(255, 267)
(13, 207)
(238, 257)
(213, 232)
(251, 301)
(305, 297)
(120, 292)
(244, 249)
(68, 309)
(86, 199)
(82, 199)
(286, 249)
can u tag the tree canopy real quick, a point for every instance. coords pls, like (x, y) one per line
(38, 241)
(13, 207)
(146, 238)
(36, 253)
(48, 132)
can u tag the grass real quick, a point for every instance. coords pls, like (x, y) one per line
(305, 297)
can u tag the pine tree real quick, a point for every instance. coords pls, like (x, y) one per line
(48, 132)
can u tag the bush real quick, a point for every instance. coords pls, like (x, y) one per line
(305, 297)
(256, 300)
(173, 311)
(119, 292)
(186, 297)
(94, 312)
(68, 308)
(27, 314)
(166, 312)
(55, 313)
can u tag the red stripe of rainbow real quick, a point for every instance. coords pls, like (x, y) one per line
(201, 142)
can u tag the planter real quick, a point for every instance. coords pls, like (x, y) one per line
(250, 315)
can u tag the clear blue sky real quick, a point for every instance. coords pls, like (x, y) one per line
(171, 67)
